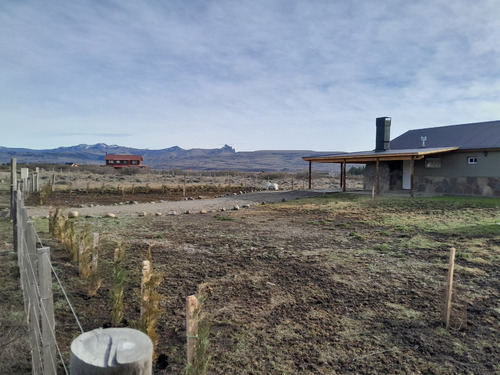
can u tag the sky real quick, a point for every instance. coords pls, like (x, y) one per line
(256, 75)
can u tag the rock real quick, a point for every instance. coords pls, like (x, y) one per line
(272, 186)
(158, 214)
(111, 215)
(236, 208)
(203, 211)
(142, 214)
(73, 214)
(245, 205)
(223, 209)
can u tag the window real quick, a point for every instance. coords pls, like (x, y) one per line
(111, 161)
(472, 159)
(433, 163)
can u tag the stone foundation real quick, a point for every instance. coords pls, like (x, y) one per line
(480, 186)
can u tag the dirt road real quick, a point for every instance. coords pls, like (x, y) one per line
(190, 205)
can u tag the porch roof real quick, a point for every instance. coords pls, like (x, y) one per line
(368, 156)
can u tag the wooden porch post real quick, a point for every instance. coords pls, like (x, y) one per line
(377, 177)
(344, 170)
(310, 174)
(341, 174)
(412, 172)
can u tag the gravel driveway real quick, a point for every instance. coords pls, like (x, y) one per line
(190, 206)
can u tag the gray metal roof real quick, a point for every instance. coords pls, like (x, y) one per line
(365, 156)
(482, 135)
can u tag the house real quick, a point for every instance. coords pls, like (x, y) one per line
(457, 159)
(122, 161)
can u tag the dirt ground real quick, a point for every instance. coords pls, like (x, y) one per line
(315, 284)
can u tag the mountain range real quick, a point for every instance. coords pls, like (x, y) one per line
(224, 158)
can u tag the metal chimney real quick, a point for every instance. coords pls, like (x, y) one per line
(383, 138)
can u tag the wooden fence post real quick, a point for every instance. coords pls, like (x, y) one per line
(191, 327)
(47, 313)
(123, 351)
(13, 187)
(33, 297)
(449, 287)
(22, 257)
(37, 180)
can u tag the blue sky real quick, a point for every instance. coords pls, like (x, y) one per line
(260, 74)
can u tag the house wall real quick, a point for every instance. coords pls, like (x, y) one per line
(455, 164)
(456, 176)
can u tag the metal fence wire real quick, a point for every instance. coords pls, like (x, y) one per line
(36, 273)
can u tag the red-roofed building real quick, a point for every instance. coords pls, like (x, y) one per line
(122, 161)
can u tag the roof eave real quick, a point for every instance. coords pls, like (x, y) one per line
(393, 155)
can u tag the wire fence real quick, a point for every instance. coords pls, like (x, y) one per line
(36, 272)
(36, 278)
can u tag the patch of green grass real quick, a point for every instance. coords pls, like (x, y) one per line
(463, 255)
(42, 225)
(224, 218)
(383, 247)
(419, 242)
(403, 311)
(355, 235)
(469, 271)
(481, 229)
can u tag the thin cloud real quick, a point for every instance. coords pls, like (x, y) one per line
(260, 74)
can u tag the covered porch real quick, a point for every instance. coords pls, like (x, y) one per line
(406, 157)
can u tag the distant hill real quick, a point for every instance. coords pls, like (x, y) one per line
(224, 158)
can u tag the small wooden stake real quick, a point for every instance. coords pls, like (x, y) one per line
(117, 254)
(449, 287)
(191, 327)
(95, 251)
(146, 276)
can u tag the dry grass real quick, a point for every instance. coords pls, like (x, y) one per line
(338, 284)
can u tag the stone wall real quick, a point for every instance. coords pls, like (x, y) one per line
(480, 186)
(370, 175)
